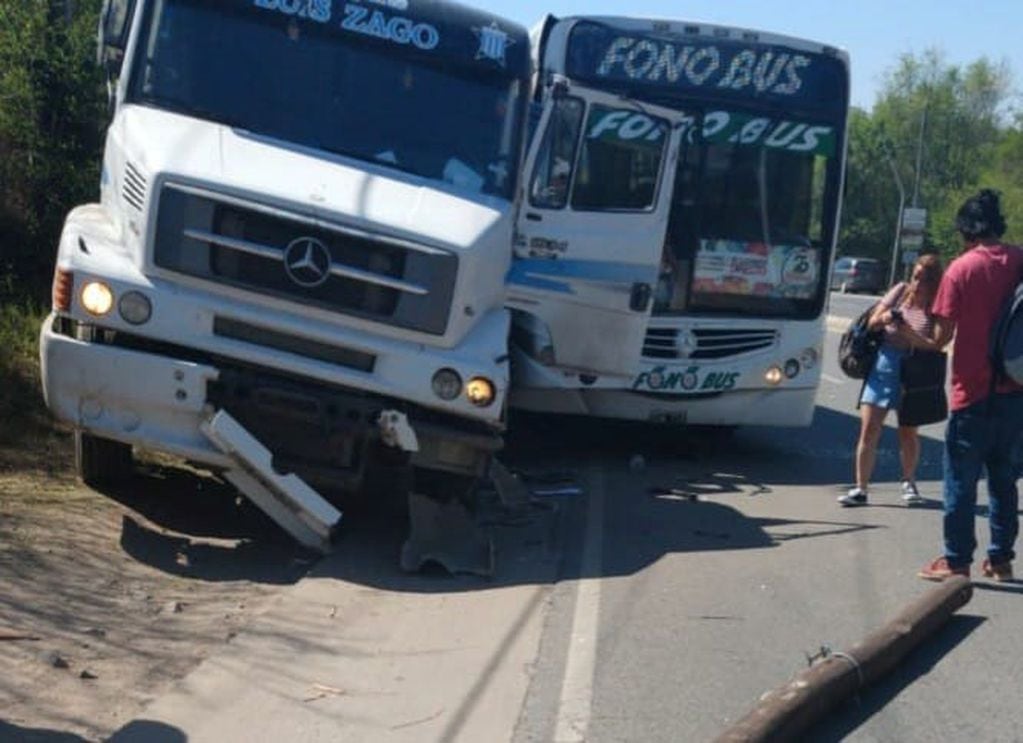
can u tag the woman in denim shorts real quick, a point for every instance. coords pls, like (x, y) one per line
(905, 308)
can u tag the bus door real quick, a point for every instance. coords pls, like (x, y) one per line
(591, 228)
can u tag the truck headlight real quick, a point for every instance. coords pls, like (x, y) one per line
(97, 298)
(480, 391)
(447, 385)
(135, 308)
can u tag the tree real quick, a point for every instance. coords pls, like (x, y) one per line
(52, 115)
(943, 126)
(871, 197)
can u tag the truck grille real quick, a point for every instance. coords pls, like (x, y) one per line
(705, 343)
(303, 259)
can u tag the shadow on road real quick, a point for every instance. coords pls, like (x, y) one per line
(780, 456)
(194, 525)
(846, 718)
(36, 735)
(148, 731)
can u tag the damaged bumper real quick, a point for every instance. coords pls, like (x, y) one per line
(326, 433)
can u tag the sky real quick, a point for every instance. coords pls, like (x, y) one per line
(874, 32)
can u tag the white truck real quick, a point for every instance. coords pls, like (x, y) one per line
(295, 273)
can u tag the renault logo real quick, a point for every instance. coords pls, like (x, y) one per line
(307, 262)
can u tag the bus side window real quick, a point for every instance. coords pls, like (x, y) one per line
(552, 173)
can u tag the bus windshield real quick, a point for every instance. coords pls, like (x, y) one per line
(752, 216)
(399, 103)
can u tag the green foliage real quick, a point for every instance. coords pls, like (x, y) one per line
(949, 119)
(21, 402)
(52, 116)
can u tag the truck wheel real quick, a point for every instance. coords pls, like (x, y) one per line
(100, 461)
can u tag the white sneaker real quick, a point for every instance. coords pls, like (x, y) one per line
(910, 495)
(855, 497)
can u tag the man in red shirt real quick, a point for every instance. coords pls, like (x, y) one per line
(985, 428)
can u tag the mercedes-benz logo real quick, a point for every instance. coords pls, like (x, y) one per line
(307, 262)
(685, 343)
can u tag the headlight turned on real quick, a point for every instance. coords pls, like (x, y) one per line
(97, 298)
(774, 375)
(480, 391)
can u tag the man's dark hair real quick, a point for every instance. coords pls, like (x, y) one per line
(981, 217)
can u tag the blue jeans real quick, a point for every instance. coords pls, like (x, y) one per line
(986, 434)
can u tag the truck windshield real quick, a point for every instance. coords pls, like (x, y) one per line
(350, 93)
(753, 216)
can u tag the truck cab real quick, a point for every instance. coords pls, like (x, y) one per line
(304, 219)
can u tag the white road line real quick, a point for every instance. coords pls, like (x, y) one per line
(833, 380)
(576, 700)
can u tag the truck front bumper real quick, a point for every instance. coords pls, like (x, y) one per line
(157, 401)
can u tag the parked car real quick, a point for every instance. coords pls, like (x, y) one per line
(853, 274)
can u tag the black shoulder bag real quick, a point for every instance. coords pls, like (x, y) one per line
(923, 388)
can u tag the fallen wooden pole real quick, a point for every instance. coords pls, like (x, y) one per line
(10, 635)
(784, 713)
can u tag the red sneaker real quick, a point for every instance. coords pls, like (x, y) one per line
(939, 569)
(1000, 571)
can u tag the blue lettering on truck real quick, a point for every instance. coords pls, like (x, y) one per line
(397, 29)
(363, 20)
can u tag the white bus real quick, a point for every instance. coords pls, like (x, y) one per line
(682, 200)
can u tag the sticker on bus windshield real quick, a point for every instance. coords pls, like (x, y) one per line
(744, 129)
(624, 125)
(756, 269)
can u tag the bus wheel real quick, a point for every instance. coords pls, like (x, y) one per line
(100, 461)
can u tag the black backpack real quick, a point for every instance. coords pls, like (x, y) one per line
(1007, 340)
(857, 350)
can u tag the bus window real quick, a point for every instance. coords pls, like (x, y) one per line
(748, 230)
(553, 171)
(620, 160)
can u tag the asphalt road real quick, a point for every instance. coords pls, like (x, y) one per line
(657, 605)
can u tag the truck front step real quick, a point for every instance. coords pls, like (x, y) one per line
(287, 499)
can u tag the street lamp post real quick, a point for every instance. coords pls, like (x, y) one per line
(898, 218)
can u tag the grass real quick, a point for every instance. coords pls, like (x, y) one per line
(29, 437)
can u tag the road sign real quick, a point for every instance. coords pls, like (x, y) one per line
(912, 241)
(913, 219)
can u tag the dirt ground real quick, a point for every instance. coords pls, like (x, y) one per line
(106, 599)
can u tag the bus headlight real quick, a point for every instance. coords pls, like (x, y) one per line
(135, 308)
(791, 368)
(808, 358)
(97, 298)
(774, 375)
(480, 391)
(447, 385)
